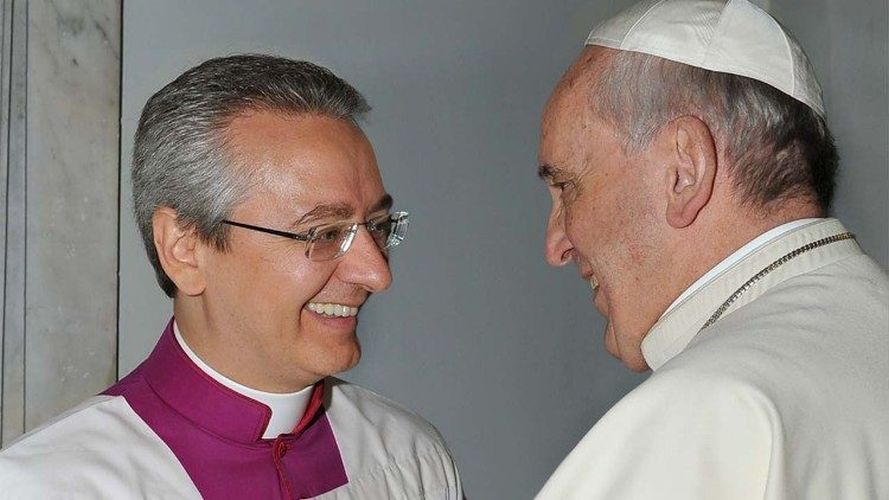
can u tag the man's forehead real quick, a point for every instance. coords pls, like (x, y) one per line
(562, 124)
(575, 94)
(576, 89)
(305, 166)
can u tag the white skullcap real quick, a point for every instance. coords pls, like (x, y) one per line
(731, 36)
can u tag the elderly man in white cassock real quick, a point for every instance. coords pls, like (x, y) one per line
(691, 170)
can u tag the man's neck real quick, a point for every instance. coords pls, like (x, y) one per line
(287, 409)
(717, 239)
(231, 349)
(737, 256)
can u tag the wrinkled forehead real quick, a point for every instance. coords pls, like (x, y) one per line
(572, 104)
(576, 90)
(571, 119)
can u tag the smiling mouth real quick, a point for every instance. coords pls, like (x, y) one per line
(332, 310)
(591, 279)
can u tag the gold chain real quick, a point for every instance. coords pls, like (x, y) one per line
(771, 267)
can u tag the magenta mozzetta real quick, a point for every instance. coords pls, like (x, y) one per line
(170, 430)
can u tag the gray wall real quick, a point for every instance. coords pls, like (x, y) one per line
(501, 352)
(848, 43)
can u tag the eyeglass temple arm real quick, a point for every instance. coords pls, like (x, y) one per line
(293, 236)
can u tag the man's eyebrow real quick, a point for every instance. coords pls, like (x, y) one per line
(340, 211)
(385, 203)
(547, 172)
(326, 211)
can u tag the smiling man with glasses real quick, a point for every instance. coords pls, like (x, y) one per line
(264, 215)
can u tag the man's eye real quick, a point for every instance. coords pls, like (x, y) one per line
(328, 234)
(381, 227)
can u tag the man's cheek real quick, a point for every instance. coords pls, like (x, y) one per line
(611, 341)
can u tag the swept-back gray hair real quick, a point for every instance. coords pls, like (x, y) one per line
(180, 158)
(777, 147)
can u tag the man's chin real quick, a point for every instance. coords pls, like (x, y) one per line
(633, 360)
(345, 360)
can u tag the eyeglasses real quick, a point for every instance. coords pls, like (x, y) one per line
(331, 241)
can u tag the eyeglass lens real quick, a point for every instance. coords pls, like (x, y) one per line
(330, 242)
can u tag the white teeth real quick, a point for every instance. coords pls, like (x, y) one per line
(330, 309)
(594, 283)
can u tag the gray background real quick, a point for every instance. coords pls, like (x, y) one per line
(500, 352)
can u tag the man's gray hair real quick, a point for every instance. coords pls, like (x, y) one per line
(180, 156)
(777, 147)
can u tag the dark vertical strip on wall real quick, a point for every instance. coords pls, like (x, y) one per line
(12, 390)
(120, 215)
(5, 33)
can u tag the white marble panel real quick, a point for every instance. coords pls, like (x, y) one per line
(72, 202)
(12, 390)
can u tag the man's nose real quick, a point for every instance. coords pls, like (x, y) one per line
(557, 246)
(365, 264)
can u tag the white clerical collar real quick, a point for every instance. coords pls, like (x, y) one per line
(287, 409)
(676, 329)
(737, 255)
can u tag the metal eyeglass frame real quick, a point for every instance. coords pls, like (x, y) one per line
(400, 221)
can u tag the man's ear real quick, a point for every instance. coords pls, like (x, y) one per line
(178, 249)
(691, 169)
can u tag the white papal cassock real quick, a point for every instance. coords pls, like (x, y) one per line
(785, 395)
